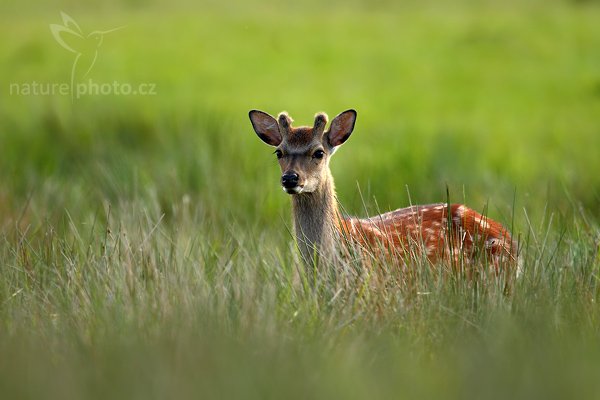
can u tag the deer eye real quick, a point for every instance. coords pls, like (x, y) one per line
(318, 154)
(278, 154)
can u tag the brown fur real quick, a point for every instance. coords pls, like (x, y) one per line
(299, 136)
(462, 236)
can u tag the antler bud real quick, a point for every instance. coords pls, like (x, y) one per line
(285, 122)
(320, 122)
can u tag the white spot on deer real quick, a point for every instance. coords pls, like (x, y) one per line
(431, 249)
(482, 221)
(376, 231)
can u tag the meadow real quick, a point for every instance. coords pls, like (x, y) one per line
(144, 239)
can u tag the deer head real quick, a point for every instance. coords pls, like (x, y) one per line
(303, 152)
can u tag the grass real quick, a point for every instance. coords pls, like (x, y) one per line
(144, 250)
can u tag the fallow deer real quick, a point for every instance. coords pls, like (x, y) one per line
(436, 232)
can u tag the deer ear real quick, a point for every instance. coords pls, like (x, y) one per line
(266, 127)
(341, 128)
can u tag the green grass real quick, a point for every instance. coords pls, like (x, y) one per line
(144, 246)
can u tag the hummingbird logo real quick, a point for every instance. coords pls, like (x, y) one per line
(85, 47)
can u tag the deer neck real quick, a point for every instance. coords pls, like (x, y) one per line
(315, 220)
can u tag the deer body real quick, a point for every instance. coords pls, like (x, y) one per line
(438, 232)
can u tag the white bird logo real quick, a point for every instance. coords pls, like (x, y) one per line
(85, 47)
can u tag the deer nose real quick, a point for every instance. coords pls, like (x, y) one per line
(289, 180)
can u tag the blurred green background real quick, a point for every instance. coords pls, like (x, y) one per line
(489, 98)
(145, 248)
